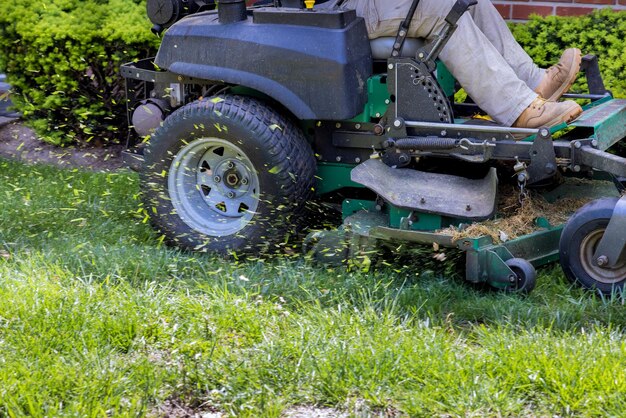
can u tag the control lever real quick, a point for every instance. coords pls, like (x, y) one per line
(442, 38)
(459, 8)
(403, 31)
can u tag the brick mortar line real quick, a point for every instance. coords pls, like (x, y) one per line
(558, 4)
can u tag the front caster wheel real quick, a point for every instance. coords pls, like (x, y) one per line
(227, 174)
(525, 276)
(579, 241)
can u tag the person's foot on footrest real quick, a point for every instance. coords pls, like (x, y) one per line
(560, 77)
(544, 113)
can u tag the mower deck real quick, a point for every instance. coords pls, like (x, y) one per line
(365, 230)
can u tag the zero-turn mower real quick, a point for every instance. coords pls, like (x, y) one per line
(250, 113)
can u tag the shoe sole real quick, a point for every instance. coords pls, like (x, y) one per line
(567, 117)
(571, 77)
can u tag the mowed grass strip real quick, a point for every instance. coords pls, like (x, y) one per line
(97, 318)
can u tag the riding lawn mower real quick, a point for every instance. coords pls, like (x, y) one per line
(247, 115)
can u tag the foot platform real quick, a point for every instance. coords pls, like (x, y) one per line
(440, 194)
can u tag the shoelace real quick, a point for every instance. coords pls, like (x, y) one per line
(538, 103)
(555, 70)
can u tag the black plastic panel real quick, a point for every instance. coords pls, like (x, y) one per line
(318, 18)
(316, 72)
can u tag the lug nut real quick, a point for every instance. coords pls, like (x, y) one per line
(231, 195)
(231, 164)
(244, 181)
(217, 179)
(602, 261)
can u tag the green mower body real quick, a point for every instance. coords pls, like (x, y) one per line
(252, 114)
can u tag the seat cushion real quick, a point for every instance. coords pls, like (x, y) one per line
(382, 47)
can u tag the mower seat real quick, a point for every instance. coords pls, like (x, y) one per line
(382, 47)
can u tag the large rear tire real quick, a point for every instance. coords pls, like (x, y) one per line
(227, 174)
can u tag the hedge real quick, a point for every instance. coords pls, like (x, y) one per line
(63, 57)
(601, 33)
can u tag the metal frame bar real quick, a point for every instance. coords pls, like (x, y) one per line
(611, 248)
(472, 128)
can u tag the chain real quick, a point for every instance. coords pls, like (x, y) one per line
(522, 179)
(523, 192)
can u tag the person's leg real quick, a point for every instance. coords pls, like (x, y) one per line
(476, 64)
(552, 83)
(491, 23)
(485, 74)
(470, 56)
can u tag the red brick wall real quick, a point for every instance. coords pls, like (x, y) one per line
(521, 9)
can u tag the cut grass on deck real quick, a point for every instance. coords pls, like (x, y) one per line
(98, 319)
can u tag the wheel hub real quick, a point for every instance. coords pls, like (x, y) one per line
(228, 178)
(214, 186)
(596, 267)
(232, 179)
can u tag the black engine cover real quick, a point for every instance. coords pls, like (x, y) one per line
(164, 13)
(315, 63)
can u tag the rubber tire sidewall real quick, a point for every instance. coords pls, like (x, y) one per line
(282, 191)
(591, 217)
(526, 270)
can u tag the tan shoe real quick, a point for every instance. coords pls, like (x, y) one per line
(544, 113)
(560, 77)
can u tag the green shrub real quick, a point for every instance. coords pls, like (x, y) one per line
(600, 33)
(62, 58)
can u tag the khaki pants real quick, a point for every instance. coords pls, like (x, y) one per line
(482, 54)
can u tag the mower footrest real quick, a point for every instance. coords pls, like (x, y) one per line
(608, 121)
(440, 194)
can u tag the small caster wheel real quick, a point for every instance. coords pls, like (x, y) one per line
(579, 241)
(525, 276)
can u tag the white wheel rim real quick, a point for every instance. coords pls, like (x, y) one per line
(213, 187)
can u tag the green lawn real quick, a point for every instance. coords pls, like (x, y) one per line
(98, 319)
